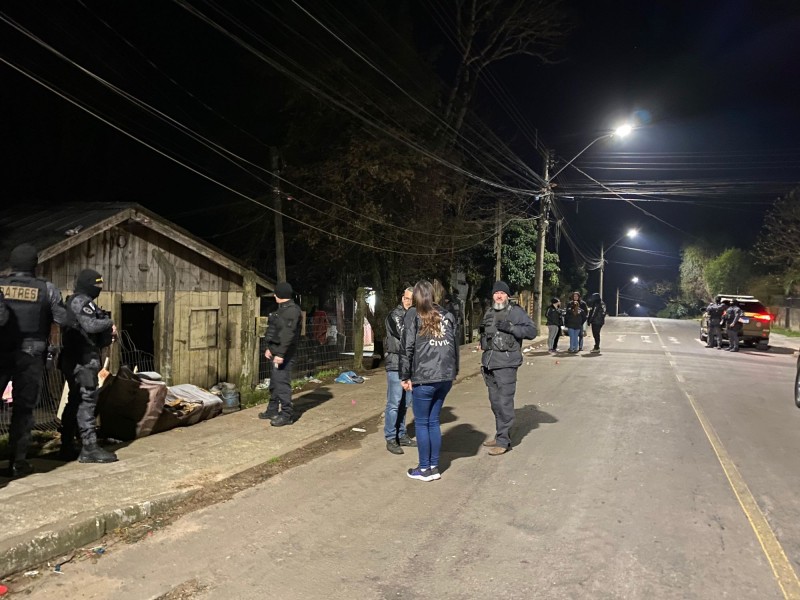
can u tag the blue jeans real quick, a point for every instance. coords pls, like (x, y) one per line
(428, 401)
(574, 339)
(394, 422)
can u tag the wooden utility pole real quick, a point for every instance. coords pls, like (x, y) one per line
(358, 328)
(540, 244)
(498, 242)
(280, 257)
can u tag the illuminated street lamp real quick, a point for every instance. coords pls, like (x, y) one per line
(634, 279)
(631, 233)
(619, 132)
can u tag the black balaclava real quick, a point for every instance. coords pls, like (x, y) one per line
(24, 259)
(87, 283)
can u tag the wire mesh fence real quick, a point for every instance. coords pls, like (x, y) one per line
(325, 345)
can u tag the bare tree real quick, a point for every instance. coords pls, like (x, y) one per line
(490, 30)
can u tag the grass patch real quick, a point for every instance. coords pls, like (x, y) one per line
(786, 332)
(251, 398)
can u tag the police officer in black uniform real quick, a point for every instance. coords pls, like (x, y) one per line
(33, 304)
(89, 330)
(715, 312)
(283, 334)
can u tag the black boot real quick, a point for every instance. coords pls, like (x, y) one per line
(19, 468)
(268, 414)
(68, 452)
(92, 453)
(281, 420)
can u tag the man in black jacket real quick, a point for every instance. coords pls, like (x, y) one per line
(596, 318)
(554, 320)
(394, 426)
(502, 330)
(88, 331)
(33, 304)
(715, 312)
(733, 324)
(283, 333)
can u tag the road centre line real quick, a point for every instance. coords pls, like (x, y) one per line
(782, 569)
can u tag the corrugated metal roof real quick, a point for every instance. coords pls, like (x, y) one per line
(45, 226)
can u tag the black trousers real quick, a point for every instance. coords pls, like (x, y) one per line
(80, 413)
(596, 334)
(280, 388)
(502, 385)
(714, 335)
(25, 371)
(733, 337)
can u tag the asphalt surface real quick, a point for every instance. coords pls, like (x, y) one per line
(656, 469)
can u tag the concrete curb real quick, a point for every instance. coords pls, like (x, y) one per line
(59, 539)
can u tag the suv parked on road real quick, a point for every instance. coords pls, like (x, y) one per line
(756, 321)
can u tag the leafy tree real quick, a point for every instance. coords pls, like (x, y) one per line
(779, 241)
(730, 272)
(694, 259)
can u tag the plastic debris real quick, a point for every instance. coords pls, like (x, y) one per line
(3, 590)
(63, 561)
(31, 573)
(353, 401)
(359, 430)
(99, 550)
(314, 380)
(349, 377)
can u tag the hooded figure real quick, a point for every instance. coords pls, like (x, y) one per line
(89, 331)
(596, 318)
(31, 305)
(89, 282)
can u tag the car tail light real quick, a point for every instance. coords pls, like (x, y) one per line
(761, 317)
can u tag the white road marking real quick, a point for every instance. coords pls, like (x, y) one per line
(620, 338)
(674, 340)
(646, 339)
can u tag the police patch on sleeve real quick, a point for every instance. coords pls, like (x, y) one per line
(88, 310)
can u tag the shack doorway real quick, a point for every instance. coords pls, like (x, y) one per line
(137, 335)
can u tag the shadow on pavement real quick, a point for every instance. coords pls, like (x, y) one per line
(526, 419)
(310, 400)
(461, 441)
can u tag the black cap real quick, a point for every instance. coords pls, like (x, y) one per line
(283, 291)
(89, 282)
(501, 286)
(553, 300)
(24, 258)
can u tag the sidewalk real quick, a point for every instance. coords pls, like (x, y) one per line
(62, 507)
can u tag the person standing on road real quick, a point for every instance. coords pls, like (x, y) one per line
(553, 316)
(394, 426)
(32, 305)
(429, 361)
(502, 330)
(715, 312)
(89, 329)
(733, 323)
(596, 318)
(574, 319)
(576, 296)
(283, 334)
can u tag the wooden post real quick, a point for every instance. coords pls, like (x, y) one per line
(168, 312)
(358, 329)
(248, 331)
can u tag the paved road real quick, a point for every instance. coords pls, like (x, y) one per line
(620, 485)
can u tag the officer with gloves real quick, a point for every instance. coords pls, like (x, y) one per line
(32, 304)
(502, 330)
(89, 330)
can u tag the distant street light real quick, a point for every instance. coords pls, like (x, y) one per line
(634, 280)
(631, 233)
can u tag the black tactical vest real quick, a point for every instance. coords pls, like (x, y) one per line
(26, 297)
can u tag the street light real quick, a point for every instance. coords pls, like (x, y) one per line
(631, 233)
(620, 132)
(634, 279)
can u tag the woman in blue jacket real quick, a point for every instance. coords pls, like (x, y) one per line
(428, 366)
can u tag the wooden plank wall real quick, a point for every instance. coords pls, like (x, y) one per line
(206, 339)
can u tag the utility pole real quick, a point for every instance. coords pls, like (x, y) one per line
(602, 267)
(616, 312)
(280, 257)
(498, 241)
(540, 244)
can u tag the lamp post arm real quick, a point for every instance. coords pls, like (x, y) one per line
(589, 145)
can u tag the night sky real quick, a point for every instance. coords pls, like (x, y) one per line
(713, 87)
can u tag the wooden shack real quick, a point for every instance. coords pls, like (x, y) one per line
(174, 297)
